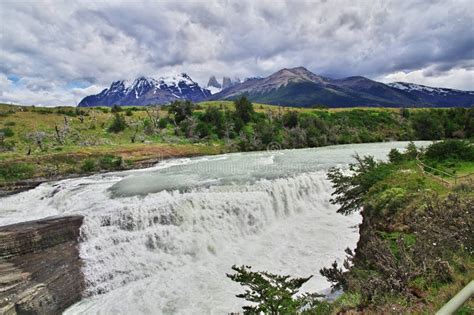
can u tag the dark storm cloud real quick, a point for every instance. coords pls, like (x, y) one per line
(51, 44)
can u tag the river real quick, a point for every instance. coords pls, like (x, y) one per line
(161, 240)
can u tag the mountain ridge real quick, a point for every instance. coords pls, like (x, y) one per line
(148, 90)
(287, 87)
(300, 87)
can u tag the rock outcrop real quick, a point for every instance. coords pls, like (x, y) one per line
(40, 268)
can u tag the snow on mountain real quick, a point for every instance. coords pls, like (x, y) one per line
(290, 87)
(148, 90)
(410, 87)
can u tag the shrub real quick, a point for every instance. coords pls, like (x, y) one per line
(451, 149)
(7, 132)
(243, 109)
(118, 124)
(349, 190)
(88, 166)
(290, 119)
(16, 171)
(181, 110)
(273, 294)
(116, 109)
(395, 156)
(129, 112)
(10, 123)
(110, 162)
(163, 122)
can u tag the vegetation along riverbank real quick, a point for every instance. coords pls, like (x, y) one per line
(38, 144)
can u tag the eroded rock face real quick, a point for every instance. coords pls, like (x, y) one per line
(40, 268)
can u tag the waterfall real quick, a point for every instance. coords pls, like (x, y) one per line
(145, 235)
(161, 240)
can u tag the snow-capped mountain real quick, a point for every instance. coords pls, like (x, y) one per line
(427, 95)
(147, 90)
(287, 87)
(411, 87)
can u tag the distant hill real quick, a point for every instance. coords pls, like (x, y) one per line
(286, 87)
(146, 91)
(301, 87)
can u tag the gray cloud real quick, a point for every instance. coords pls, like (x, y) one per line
(50, 44)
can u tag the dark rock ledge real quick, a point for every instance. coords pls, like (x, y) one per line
(40, 268)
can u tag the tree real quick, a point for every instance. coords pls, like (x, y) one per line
(116, 109)
(135, 126)
(181, 110)
(243, 109)
(38, 138)
(428, 125)
(61, 133)
(350, 189)
(405, 112)
(411, 151)
(273, 294)
(153, 113)
(290, 119)
(118, 124)
(395, 156)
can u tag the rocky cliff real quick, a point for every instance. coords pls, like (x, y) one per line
(40, 268)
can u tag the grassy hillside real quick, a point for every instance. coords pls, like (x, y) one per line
(416, 243)
(38, 142)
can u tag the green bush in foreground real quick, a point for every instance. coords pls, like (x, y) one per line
(273, 294)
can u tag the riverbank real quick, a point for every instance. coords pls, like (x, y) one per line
(26, 172)
(416, 244)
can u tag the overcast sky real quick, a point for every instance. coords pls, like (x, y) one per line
(56, 52)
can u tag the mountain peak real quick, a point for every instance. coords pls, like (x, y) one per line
(148, 90)
(300, 87)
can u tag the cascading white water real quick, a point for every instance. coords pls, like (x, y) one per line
(160, 240)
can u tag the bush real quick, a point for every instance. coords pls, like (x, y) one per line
(129, 112)
(7, 132)
(350, 190)
(116, 109)
(243, 109)
(272, 293)
(395, 156)
(88, 166)
(163, 122)
(450, 149)
(118, 124)
(290, 119)
(10, 123)
(181, 110)
(16, 171)
(110, 162)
